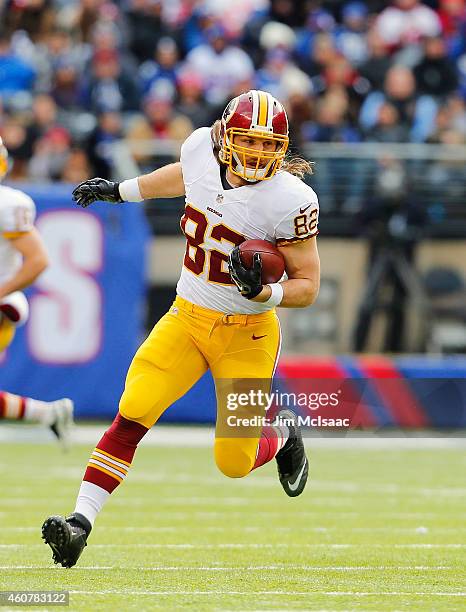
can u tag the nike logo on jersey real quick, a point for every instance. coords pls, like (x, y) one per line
(303, 210)
(294, 485)
(214, 211)
(254, 337)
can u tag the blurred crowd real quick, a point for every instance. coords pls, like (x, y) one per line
(77, 76)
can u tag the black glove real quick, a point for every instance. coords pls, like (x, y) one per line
(248, 280)
(96, 189)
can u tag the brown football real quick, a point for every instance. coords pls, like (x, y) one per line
(273, 264)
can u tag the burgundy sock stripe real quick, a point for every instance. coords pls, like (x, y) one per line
(101, 479)
(22, 408)
(2, 405)
(111, 459)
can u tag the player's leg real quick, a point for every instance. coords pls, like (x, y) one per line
(57, 415)
(164, 368)
(7, 332)
(248, 365)
(14, 312)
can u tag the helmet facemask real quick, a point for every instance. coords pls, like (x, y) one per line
(248, 163)
(257, 115)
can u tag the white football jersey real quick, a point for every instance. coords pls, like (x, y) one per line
(17, 214)
(281, 209)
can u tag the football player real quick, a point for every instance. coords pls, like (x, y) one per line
(238, 184)
(22, 259)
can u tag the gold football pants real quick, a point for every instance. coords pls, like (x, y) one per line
(7, 332)
(186, 342)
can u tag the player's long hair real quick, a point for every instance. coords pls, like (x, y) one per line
(298, 166)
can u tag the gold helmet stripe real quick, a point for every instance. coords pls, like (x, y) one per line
(263, 108)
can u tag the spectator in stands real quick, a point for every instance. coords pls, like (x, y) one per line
(435, 75)
(388, 127)
(34, 18)
(108, 130)
(332, 123)
(162, 119)
(56, 48)
(193, 32)
(279, 74)
(350, 37)
(323, 55)
(16, 76)
(450, 117)
(318, 21)
(164, 65)
(44, 119)
(76, 168)
(146, 27)
(160, 122)
(220, 64)
(406, 22)
(14, 136)
(65, 87)
(50, 154)
(452, 14)
(109, 88)
(400, 90)
(191, 102)
(375, 68)
(82, 17)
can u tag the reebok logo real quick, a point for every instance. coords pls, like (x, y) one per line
(254, 337)
(214, 211)
(303, 210)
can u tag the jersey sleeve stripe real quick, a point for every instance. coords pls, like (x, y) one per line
(11, 235)
(285, 241)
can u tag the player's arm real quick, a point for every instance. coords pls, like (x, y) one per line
(35, 260)
(302, 265)
(296, 241)
(165, 182)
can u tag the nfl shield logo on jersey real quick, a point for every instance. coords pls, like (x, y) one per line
(219, 199)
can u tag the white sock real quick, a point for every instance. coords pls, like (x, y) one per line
(283, 433)
(91, 499)
(38, 411)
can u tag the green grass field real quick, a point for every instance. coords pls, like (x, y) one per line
(374, 530)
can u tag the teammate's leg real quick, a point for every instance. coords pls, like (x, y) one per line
(57, 415)
(164, 368)
(7, 332)
(14, 312)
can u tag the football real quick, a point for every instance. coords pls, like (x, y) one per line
(273, 264)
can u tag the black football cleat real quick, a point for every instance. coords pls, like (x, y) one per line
(292, 462)
(67, 537)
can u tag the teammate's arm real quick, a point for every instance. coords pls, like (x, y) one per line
(302, 265)
(165, 182)
(35, 260)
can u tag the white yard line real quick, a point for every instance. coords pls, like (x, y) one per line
(199, 437)
(253, 593)
(251, 568)
(256, 545)
(421, 530)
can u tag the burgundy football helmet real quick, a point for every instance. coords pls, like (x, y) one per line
(259, 115)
